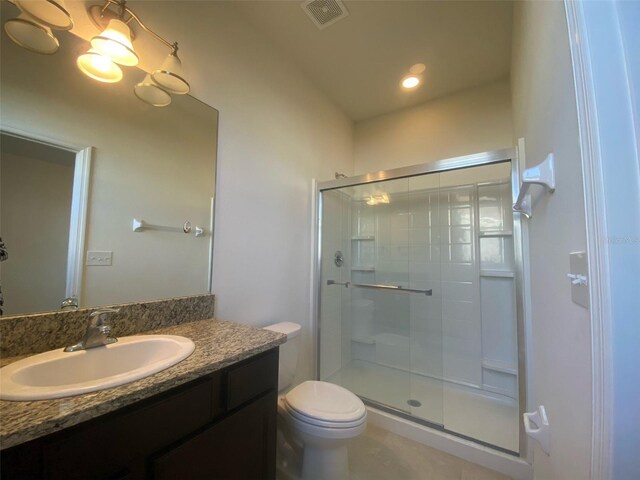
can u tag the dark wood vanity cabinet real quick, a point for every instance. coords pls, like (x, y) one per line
(221, 426)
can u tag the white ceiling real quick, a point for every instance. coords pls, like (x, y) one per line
(359, 61)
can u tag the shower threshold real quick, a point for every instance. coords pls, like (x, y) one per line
(435, 426)
(488, 419)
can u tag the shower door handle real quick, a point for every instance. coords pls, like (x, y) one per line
(397, 288)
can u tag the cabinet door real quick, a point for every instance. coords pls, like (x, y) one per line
(242, 446)
(115, 447)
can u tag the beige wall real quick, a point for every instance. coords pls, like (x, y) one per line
(277, 133)
(545, 115)
(35, 198)
(471, 121)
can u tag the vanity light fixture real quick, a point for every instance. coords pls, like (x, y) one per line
(170, 75)
(49, 13)
(99, 67)
(110, 49)
(115, 43)
(31, 35)
(150, 93)
(32, 28)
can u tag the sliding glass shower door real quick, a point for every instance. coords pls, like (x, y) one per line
(380, 318)
(417, 299)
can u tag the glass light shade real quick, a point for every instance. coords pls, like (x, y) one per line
(150, 93)
(170, 76)
(115, 42)
(50, 13)
(31, 35)
(97, 66)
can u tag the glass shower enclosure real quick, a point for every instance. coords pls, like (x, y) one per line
(418, 294)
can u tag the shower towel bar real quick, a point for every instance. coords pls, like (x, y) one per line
(397, 288)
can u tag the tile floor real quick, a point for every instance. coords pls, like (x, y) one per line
(381, 455)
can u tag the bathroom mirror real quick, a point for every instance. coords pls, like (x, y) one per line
(68, 225)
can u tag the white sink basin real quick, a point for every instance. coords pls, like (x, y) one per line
(58, 374)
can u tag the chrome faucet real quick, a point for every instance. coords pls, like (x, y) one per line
(70, 303)
(97, 333)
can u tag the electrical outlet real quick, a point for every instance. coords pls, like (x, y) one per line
(102, 259)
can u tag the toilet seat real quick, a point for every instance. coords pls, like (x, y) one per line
(325, 404)
(299, 418)
(302, 427)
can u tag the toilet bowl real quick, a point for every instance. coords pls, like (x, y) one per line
(316, 419)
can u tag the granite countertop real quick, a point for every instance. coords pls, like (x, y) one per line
(218, 344)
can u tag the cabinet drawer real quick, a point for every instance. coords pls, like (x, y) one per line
(251, 379)
(104, 449)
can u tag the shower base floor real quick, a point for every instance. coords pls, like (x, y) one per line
(485, 416)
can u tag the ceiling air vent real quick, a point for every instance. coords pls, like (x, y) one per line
(324, 12)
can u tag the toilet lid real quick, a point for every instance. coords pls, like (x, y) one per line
(325, 401)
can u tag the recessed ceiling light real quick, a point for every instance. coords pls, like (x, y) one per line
(411, 81)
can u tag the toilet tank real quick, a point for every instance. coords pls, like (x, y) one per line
(288, 353)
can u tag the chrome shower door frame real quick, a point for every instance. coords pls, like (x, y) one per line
(519, 241)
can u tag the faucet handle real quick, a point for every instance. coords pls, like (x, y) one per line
(98, 331)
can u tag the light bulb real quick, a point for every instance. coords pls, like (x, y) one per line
(99, 67)
(115, 42)
(410, 81)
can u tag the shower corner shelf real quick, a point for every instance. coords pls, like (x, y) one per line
(363, 268)
(368, 340)
(358, 238)
(497, 273)
(497, 366)
(495, 233)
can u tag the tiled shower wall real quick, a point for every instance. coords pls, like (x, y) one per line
(456, 241)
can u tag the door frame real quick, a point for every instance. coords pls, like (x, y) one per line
(610, 151)
(79, 205)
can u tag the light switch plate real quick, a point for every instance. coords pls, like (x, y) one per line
(578, 266)
(102, 259)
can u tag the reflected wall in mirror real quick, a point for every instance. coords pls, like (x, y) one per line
(36, 191)
(148, 163)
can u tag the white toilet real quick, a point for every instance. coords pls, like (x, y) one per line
(316, 419)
